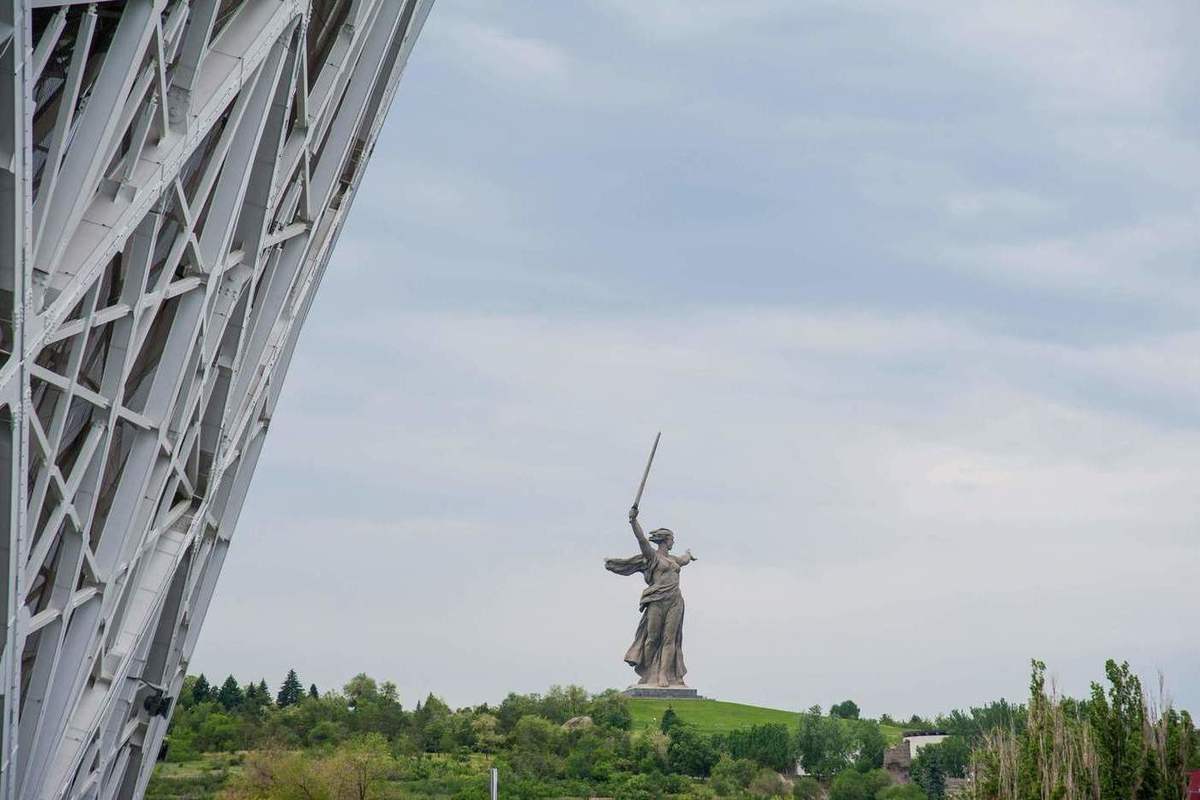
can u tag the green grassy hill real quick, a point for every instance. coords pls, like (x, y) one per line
(716, 716)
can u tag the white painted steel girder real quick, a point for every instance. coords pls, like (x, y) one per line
(173, 176)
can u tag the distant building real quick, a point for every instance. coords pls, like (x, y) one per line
(920, 739)
(898, 760)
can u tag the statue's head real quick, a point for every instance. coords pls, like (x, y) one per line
(661, 536)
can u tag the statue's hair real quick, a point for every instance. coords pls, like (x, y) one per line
(660, 534)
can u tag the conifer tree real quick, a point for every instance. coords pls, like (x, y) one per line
(230, 695)
(312, 692)
(201, 691)
(291, 691)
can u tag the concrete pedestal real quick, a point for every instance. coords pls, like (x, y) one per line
(662, 692)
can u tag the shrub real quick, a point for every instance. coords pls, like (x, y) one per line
(908, 791)
(768, 783)
(731, 775)
(806, 788)
(847, 709)
(855, 785)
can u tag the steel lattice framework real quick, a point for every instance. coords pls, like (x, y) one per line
(173, 176)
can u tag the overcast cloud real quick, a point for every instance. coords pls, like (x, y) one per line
(910, 289)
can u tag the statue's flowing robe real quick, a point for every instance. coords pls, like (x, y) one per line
(662, 587)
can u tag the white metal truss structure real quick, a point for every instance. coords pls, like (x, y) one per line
(173, 176)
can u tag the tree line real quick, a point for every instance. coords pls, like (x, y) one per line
(1112, 745)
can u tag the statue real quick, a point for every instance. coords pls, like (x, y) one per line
(657, 650)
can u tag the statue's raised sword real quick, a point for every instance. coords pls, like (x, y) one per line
(646, 474)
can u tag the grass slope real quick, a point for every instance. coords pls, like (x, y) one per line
(716, 716)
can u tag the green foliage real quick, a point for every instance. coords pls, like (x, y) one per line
(361, 740)
(978, 721)
(769, 745)
(230, 695)
(806, 788)
(201, 691)
(312, 691)
(928, 772)
(291, 691)
(824, 745)
(855, 785)
(871, 746)
(949, 758)
(732, 775)
(536, 747)
(847, 709)
(1117, 721)
(689, 752)
(1112, 746)
(767, 783)
(610, 709)
(827, 745)
(907, 791)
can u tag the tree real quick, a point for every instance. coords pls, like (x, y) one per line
(486, 730)
(562, 703)
(611, 710)
(952, 756)
(255, 696)
(855, 785)
(230, 695)
(768, 745)
(535, 745)
(731, 775)
(358, 768)
(690, 753)
(847, 709)
(824, 745)
(290, 691)
(871, 746)
(978, 721)
(361, 687)
(1117, 720)
(312, 691)
(669, 721)
(928, 772)
(201, 691)
(513, 707)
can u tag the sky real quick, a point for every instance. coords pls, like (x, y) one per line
(909, 288)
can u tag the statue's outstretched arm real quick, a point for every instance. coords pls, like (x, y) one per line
(639, 534)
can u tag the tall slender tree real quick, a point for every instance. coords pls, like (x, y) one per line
(312, 691)
(201, 691)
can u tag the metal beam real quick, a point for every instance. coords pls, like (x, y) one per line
(163, 231)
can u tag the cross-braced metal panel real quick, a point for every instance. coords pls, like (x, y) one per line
(173, 176)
